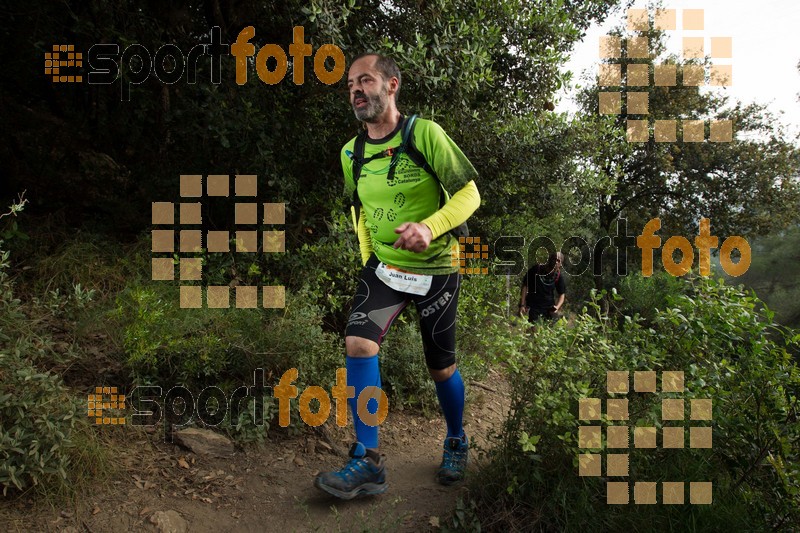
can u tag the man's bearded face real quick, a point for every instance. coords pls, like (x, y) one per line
(368, 107)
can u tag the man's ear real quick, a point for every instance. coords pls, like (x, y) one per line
(393, 85)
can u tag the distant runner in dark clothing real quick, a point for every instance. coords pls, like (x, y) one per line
(543, 290)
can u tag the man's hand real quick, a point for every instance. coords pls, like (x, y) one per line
(523, 310)
(414, 236)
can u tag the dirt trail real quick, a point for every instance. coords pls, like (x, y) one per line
(269, 488)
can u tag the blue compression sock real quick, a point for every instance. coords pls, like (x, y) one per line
(451, 399)
(363, 372)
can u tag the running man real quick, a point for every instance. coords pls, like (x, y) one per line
(404, 227)
(543, 289)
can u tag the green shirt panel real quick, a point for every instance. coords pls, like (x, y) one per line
(412, 196)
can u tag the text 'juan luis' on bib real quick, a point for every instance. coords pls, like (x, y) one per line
(403, 281)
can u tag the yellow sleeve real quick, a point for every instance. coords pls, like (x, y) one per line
(364, 240)
(456, 211)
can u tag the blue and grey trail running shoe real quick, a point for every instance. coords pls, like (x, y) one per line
(454, 460)
(364, 474)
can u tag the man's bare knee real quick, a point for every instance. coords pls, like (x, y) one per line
(360, 347)
(443, 374)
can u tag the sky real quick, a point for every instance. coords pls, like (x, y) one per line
(765, 42)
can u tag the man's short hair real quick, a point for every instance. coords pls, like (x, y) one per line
(386, 66)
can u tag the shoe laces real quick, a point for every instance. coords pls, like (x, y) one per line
(454, 458)
(356, 466)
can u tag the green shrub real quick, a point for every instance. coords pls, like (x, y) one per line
(10, 312)
(245, 429)
(646, 296)
(85, 260)
(165, 345)
(324, 271)
(11, 315)
(36, 412)
(163, 341)
(482, 299)
(36, 418)
(717, 336)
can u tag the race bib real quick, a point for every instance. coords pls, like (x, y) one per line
(403, 281)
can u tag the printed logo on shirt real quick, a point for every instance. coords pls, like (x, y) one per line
(407, 177)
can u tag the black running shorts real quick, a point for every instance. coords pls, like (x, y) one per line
(375, 306)
(541, 314)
